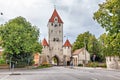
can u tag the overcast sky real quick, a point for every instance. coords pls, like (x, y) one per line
(77, 15)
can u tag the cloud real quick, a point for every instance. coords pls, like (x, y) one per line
(76, 14)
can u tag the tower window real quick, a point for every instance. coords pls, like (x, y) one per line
(56, 19)
(51, 31)
(53, 39)
(57, 39)
(55, 25)
(59, 24)
(51, 24)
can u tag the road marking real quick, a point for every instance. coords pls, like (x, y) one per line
(113, 77)
(3, 78)
(94, 79)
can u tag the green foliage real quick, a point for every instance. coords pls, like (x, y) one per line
(44, 65)
(112, 45)
(19, 40)
(80, 64)
(2, 61)
(96, 64)
(82, 41)
(90, 42)
(108, 16)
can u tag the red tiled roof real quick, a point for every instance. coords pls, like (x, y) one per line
(44, 42)
(67, 44)
(55, 14)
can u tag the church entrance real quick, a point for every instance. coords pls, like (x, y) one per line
(55, 61)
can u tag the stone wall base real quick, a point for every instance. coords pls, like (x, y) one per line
(113, 62)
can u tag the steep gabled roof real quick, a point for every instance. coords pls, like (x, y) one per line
(67, 44)
(44, 42)
(76, 52)
(55, 14)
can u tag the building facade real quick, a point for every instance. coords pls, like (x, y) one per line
(54, 51)
(80, 56)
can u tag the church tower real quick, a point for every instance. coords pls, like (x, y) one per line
(55, 36)
(54, 52)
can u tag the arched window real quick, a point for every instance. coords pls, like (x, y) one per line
(56, 19)
(51, 24)
(55, 25)
(54, 39)
(59, 24)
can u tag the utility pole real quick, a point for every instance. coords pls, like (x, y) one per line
(84, 50)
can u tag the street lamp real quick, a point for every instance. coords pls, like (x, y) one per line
(84, 62)
(10, 62)
(64, 61)
(1, 13)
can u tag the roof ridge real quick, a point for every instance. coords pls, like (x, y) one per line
(55, 14)
(77, 51)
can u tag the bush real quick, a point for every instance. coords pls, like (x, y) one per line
(20, 65)
(2, 61)
(96, 64)
(44, 65)
(80, 64)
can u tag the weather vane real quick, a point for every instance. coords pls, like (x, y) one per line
(54, 4)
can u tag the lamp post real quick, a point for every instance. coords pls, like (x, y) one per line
(84, 61)
(64, 61)
(10, 63)
(1, 13)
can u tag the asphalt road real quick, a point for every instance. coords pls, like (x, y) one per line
(61, 73)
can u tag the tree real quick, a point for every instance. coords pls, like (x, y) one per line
(108, 16)
(90, 42)
(81, 41)
(102, 40)
(19, 40)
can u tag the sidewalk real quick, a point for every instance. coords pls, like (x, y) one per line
(90, 68)
(15, 70)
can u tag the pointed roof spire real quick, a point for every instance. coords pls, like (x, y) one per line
(55, 14)
(44, 42)
(54, 6)
(67, 44)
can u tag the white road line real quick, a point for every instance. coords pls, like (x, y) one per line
(94, 79)
(3, 78)
(114, 77)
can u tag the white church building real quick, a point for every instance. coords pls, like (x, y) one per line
(54, 50)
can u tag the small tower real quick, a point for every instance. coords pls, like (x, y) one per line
(55, 36)
(45, 51)
(67, 51)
